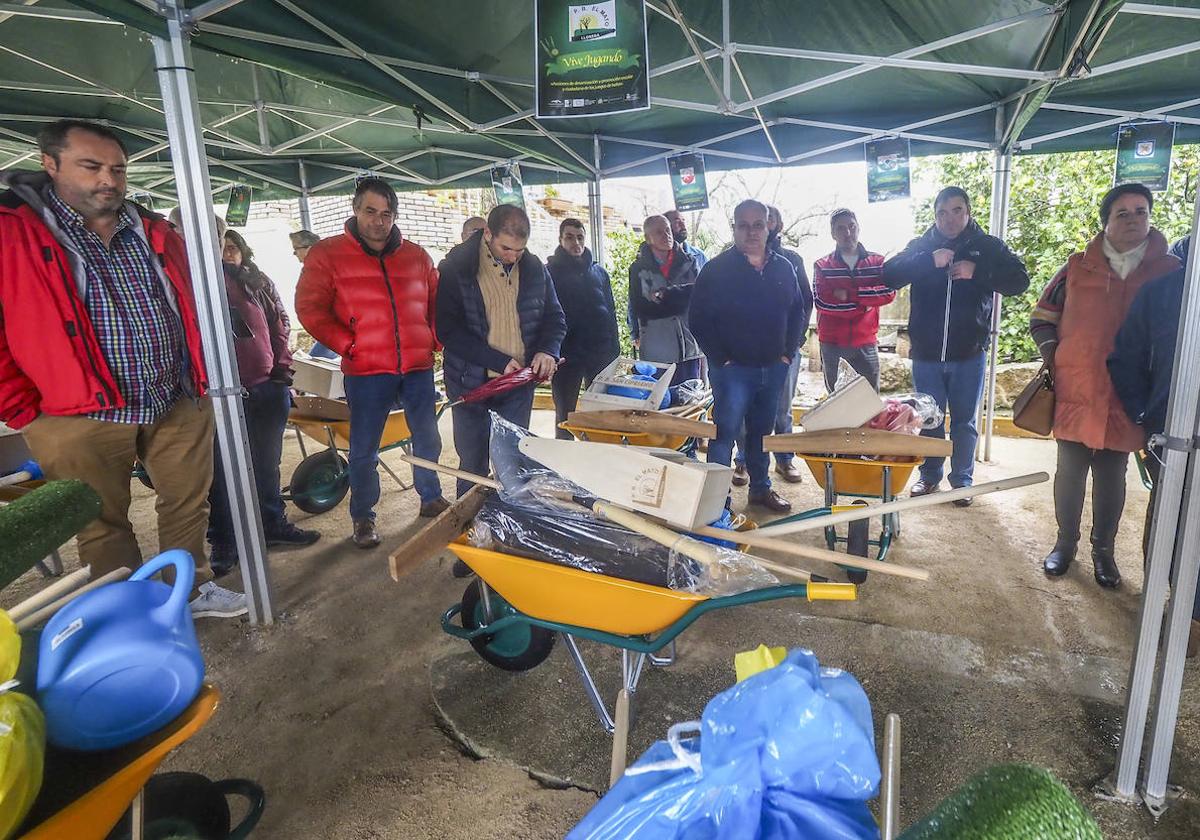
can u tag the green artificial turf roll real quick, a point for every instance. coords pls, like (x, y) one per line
(39, 522)
(1006, 802)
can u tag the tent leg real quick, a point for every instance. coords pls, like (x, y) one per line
(596, 206)
(1167, 539)
(305, 210)
(1001, 183)
(1183, 588)
(173, 60)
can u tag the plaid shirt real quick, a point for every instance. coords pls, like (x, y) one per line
(138, 330)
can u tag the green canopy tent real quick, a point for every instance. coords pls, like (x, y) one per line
(299, 96)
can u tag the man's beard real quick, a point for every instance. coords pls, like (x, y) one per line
(681, 236)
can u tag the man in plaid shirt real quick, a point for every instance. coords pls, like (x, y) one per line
(100, 358)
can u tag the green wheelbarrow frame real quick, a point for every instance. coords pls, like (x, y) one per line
(504, 628)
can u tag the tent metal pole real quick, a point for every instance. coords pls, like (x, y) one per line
(726, 53)
(1182, 413)
(173, 60)
(1001, 185)
(1183, 587)
(305, 210)
(596, 205)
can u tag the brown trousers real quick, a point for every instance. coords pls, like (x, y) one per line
(177, 452)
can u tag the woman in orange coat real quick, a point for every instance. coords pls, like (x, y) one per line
(1074, 325)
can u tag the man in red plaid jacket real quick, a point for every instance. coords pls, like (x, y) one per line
(848, 291)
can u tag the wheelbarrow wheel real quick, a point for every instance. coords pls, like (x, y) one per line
(516, 648)
(320, 482)
(858, 542)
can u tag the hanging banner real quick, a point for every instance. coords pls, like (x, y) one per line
(887, 169)
(591, 58)
(239, 206)
(687, 182)
(506, 181)
(1144, 154)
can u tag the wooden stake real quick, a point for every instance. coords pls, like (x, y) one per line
(642, 421)
(431, 540)
(859, 442)
(620, 747)
(442, 468)
(867, 511)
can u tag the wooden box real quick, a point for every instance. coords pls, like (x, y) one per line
(321, 377)
(618, 372)
(848, 407)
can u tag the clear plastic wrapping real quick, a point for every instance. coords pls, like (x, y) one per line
(688, 392)
(908, 414)
(540, 515)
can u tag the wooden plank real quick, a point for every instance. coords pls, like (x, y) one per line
(659, 482)
(859, 442)
(431, 540)
(642, 421)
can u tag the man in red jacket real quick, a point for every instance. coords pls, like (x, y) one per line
(369, 295)
(100, 359)
(848, 291)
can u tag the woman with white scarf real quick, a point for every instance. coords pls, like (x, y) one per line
(1074, 325)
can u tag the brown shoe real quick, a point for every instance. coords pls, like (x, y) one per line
(365, 535)
(740, 477)
(790, 472)
(771, 501)
(434, 508)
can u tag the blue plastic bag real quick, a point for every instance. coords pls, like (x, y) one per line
(787, 753)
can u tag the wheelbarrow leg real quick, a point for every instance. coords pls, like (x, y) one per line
(137, 813)
(395, 477)
(589, 685)
(300, 442)
(664, 661)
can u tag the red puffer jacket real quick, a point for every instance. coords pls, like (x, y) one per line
(50, 360)
(375, 310)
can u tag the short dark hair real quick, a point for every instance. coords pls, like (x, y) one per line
(378, 186)
(841, 211)
(948, 193)
(510, 219)
(1110, 198)
(52, 139)
(751, 204)
(570, 223)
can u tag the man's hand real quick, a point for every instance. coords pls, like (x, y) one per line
(841, 294)
(637, 344)
(785, 360)
(513, 365)
(962, 270)
(657, 295)
(942, 257)
(544, 365)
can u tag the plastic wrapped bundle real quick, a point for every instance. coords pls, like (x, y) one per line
(542, 516)
(788, 752)
(908, 414)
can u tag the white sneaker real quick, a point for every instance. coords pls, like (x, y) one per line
(217, 602)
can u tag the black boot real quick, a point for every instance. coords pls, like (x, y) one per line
(1059, 559)
(1107, 573)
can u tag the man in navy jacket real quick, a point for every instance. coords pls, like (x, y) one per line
(954, 269)
(748, 315)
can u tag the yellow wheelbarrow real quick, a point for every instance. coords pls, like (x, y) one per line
(70, 805)
(515, 609)
(322, 479)
(661, 440)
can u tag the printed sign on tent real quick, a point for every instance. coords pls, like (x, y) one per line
(506, 181)
(887, 169)
(239, 206)
(590, 58)
(687, 181)
(1144, 154)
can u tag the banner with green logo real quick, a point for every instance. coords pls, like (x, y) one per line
(687, 182)
(506, 181)
(887, 169)
(591, 58)
(239, 206)
(1144, 154)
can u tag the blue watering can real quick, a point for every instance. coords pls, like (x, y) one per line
(122, 660)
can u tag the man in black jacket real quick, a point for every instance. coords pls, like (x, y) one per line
(496, 313)
(954, 269)
(747, 314)
(585, 292)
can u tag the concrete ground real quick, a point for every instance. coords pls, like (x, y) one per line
(361, 719)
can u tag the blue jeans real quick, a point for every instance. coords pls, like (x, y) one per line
(783, 418)
(371, 399)
(266, 409)
(957, 385)
(473, 429)
(746, 397)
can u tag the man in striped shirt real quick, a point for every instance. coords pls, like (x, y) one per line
(848, 290)
(100, 350)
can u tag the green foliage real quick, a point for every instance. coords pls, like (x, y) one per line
(621, 249)
(1053, 212)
